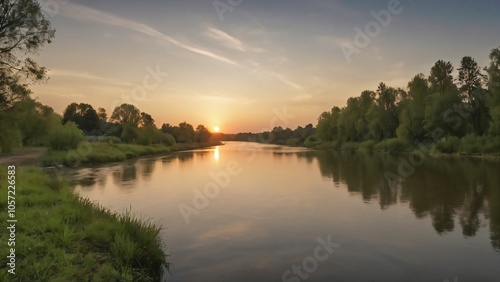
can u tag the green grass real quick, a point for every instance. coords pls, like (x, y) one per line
(99, 152)
(62, 237)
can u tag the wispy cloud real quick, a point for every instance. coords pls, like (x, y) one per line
(84, 13)
(230, 41)
(301, 98)
(86, 75)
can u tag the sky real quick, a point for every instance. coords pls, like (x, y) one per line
(246, 65)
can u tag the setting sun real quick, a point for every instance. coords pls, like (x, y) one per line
(216, 129)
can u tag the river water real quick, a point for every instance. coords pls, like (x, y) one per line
(256, 212)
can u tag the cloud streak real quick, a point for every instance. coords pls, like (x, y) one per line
(230, 41)
(84, 13)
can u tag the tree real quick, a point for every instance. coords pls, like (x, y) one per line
(23, 30)
(383, 115)
(85, 117)
(444, 101)
(473, 94)
(493, 83)
(412, 116)
(184, 133)
(441, 79)
(36, 121)
(202, 134)
(126, 114)
(146, 120)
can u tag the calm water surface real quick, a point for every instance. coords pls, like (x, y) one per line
(274, 203)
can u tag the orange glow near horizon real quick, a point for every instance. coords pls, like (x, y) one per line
(216, 129)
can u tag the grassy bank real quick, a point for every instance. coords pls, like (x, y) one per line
(61, 237)
(99, 152)
(465, 146)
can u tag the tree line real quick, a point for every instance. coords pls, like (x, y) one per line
(462, 113)
(24, 30)
(278, 135)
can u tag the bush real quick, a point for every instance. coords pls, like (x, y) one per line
(311, 141)
(130, 134)
(472, 144)
(66, 137)
(293, 142)
(449, 145)
(169, 139)
(103, 139)
(393, 145)
(367, 146)
(350, 146)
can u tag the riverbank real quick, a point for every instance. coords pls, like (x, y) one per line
(62, 237)
(448, 148)
(99, 153)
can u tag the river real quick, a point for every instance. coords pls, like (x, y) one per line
(257, 212)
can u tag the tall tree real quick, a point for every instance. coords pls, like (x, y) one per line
(126, 114)
(444, 99)
(202, 134)
(493, 83)
(383, 115)
(470, 82)
(412, 116)
(23, 31)
(84, 116)
(146, 120)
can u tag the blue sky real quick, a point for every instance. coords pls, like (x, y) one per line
(262, 57)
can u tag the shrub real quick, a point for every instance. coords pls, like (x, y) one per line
(393, 145)
(449, 145)
(350, 146)
(130, 134)
(103, 139)
(66, 137)
(293, 142)
(311, 141)
(367, 146)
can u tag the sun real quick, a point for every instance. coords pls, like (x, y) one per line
(216, 129)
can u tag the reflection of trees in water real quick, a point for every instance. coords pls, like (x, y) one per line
(147, 167)
(202, 154)
(124, 176)
(444, 189)
(185, 156)
(88, 178)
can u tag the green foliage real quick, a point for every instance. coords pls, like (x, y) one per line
(449, 145)
(293, 142)
(84, 116)
(10, 136)
(24, 30)
(103, 139)
(202, 134)
(311, 141)
(393, 145)
(130, 134)
(66, 137)
(126, 114)
(76, 240)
